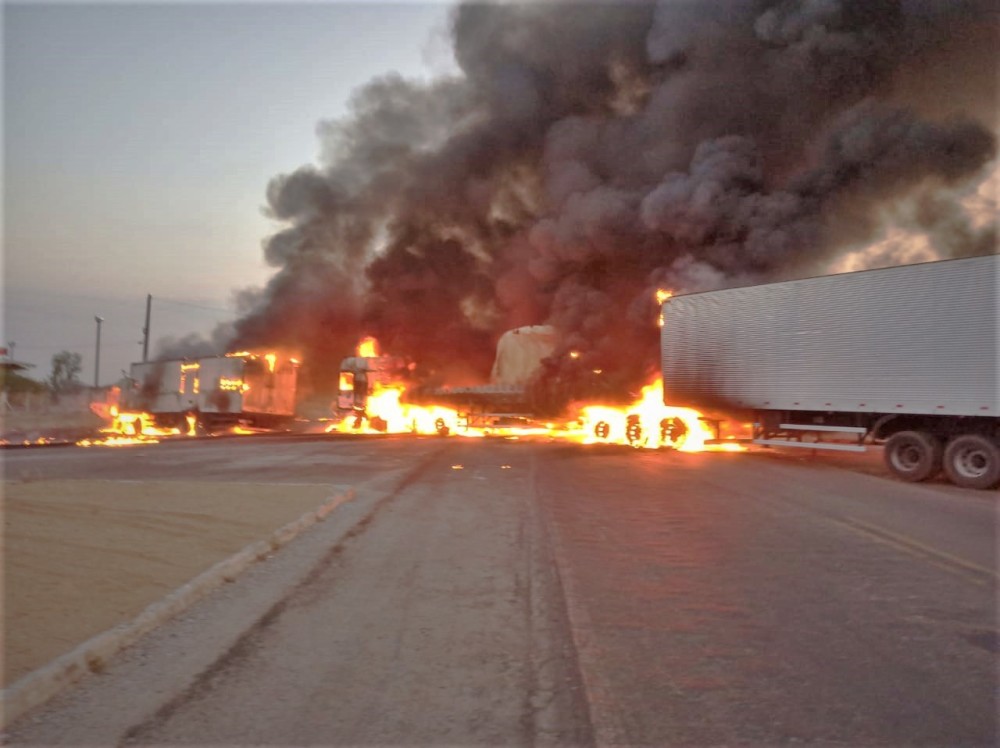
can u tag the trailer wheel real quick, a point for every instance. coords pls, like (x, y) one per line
(672, 431)
(633, 429)
(913, 455)
(972, 461)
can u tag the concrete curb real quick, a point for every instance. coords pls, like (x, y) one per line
(605, 719)
(41, 685)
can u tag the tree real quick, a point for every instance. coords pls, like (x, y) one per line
(66, 367)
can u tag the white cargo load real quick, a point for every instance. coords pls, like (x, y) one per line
(520, 353)
(917, 339)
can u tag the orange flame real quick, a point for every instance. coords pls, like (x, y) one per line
(386, 414)
(368, 348)
(647, 423)
(662, 295)
(130, 428)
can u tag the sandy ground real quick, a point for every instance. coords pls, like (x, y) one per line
(81, 556)
(18, 426)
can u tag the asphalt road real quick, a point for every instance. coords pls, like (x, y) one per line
(497, 592)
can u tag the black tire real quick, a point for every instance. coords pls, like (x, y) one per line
(972, 461)
(913, 455)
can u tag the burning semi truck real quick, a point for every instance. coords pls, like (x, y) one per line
(500, 403)
(905, 355)
(213, 392)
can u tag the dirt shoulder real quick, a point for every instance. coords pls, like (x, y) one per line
(82, 556)
(17, 427)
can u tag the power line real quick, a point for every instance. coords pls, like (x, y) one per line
(71, 346)
(161, 299)
(116, 302)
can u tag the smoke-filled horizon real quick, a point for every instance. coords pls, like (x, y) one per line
(590, 153)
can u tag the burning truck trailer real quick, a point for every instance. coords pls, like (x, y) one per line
(213, 393)
(503, 402)
(903, 356)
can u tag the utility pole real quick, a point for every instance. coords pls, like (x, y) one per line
(97, 354)
(145, 330)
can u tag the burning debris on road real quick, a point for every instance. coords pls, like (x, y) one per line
(377, 398)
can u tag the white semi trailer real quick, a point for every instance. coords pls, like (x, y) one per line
(905, 355)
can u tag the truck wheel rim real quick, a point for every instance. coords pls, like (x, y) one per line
(971, 463)
(907, 457)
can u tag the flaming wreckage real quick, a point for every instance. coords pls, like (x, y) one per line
(376, 398)
(500, 403)
(211, 393)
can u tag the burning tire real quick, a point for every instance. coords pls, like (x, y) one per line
(602, 430)
(633, 429)
(441, 427)
(972, 461)
(672, 431)
(913, 455)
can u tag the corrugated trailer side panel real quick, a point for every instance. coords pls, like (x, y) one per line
(221, 388)
(270, 392)
(159, 387)
(911, 339)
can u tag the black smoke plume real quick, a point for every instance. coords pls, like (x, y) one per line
(591, 152)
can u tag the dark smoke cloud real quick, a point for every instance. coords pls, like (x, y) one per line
(591, 152)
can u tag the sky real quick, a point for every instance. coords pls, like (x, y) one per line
(139, 140)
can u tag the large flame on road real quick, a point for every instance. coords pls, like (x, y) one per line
(647, 423)
(385, 413)
(131, 428)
